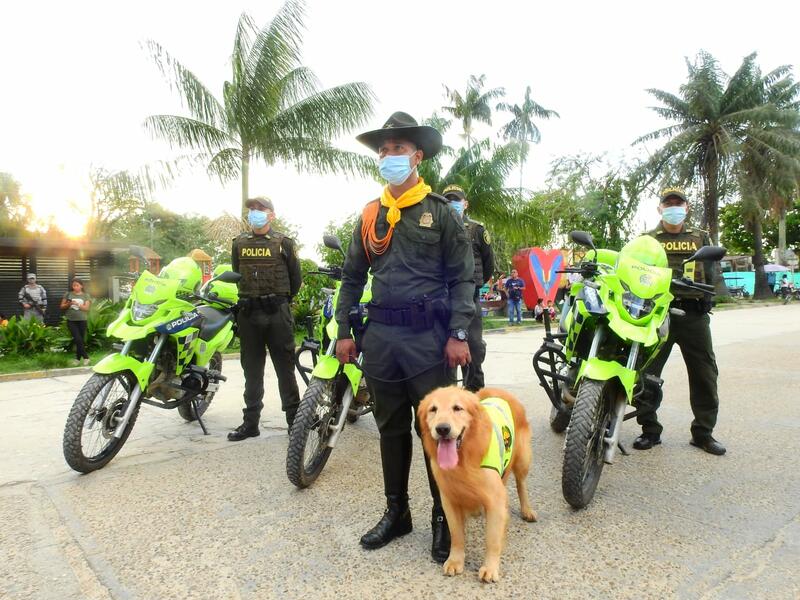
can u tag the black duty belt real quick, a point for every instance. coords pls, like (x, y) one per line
(400, 317)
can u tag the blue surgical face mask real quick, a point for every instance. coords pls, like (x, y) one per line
(395, 168)
(458, 205)
(257, 218)
(674, 215)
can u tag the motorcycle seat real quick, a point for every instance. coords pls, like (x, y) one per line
(213, 321)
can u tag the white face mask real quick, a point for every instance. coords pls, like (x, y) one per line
(674, 215)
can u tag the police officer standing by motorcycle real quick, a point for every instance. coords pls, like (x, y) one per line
(422, 289)
(691, 332)
(271, 277)
(483, 256)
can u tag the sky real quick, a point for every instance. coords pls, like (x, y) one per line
(77, 84)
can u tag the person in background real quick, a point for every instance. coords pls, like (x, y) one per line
(514, 286)
(33, 298)
(538, 310)
(77, 304)
(551, 309)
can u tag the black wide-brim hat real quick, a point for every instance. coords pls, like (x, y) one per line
(404, 127)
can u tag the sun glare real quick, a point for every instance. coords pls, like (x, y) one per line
(62, 201)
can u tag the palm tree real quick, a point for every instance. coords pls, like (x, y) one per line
(522, 128)
(271, 110)
(769, 167)
(474, 105)
(712, 113)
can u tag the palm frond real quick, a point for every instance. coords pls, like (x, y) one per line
(184, 132)
(195, 96)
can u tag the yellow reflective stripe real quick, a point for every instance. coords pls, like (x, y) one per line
(497, 457)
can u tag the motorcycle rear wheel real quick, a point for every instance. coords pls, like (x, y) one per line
(89, 443)
(584, 447)
(308, 438)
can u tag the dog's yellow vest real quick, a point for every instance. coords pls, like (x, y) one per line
(498, 455)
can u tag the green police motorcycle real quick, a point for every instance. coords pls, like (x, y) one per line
(612, 327)
(172, 333)
(335, 393)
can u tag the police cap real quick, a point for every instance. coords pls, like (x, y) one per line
(672, 192)
(454, 192)
(260, 202)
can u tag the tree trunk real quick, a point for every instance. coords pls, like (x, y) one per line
(245, 179)
(762, 290)
(782, 235)
(710, 221)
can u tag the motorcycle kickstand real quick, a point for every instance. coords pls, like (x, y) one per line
(199, 418)
(622, 449)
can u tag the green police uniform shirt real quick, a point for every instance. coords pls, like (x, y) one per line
(482, 251)
(429, 255)
(679, 247)
(498, 455)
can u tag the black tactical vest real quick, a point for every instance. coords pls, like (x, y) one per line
(679, 247)
(262, 265)
(473, 232)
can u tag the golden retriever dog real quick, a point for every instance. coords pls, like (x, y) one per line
(457, 433)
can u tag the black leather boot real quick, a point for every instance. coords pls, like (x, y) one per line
(396, 520)
(440, 542)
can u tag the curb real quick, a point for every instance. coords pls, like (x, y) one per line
(45, 374)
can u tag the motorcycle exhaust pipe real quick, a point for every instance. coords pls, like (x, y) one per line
(136, 394)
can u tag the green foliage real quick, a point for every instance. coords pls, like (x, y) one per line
(343, 231)
(309, 299)
(15, 208)
(101, 314)
(114, 196)
(473, 105)
(588, 194)
(272, 109)
(25, 336)
(738, 238)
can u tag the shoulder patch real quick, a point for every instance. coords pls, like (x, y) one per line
(487, 239)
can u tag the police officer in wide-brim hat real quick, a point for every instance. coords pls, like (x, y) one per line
(422, 286)
(691, 331)
(483, 255)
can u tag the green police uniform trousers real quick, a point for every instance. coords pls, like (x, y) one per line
(473, 380)
(392, 353)
(260, 330)
(692, 334)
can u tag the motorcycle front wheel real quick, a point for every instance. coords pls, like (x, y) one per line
(584, 447)
(308, 438)
(89, 442)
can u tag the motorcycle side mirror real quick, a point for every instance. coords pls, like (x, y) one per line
(584, 238)
(707, 253)
(332, 242)
(229, 277)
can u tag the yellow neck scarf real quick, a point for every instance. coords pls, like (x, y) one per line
(373, 244)
(408, 198)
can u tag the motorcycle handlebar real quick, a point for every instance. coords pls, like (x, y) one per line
(688, 283)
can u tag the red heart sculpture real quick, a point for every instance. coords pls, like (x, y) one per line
(537, 268)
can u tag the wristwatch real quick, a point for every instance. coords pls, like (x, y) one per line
(459, 334)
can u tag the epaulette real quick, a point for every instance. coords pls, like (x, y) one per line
(476, 222)
(438, 197)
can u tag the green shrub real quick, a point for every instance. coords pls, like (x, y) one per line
(310, 297)
(25, 336)
(101, 315)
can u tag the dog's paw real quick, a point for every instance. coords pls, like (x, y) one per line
(453, 567)
(529, 516)
(489, 574)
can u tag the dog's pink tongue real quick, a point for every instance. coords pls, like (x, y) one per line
(447, 454)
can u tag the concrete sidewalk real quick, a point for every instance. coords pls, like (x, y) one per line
(182, 515)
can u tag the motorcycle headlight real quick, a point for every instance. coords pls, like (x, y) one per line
(637, 307)
(139, 312)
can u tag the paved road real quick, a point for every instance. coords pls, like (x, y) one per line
(181, 515)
